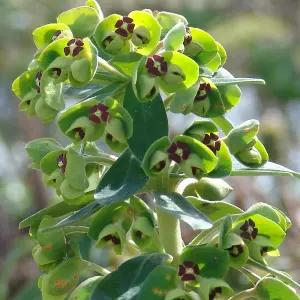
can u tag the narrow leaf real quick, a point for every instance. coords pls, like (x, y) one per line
(229, 81)
(150, 122)
(269, 168)
(126, 282)
(180, 207)
(123, 179)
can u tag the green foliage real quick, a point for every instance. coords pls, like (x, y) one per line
(157, 64)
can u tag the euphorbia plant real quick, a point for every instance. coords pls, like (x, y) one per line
(157, 63)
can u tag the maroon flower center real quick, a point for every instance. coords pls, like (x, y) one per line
(62, 162)
(38, 78)
(179, 151)
(139, 234)
(156, 65)
(74, 47)
(203, 91)
(160, 165)
(98, 113)
(125, 27)
(56, 34)
(114, 240)
(212, 141)
(108, 40)
(216, 292)
(249, 231)
(235, 250)
(79, 133)
(263, 251)
(188, 271)
(56, 72)
(187, 37)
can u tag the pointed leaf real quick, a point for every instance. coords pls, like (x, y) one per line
(123, 179)
(229, 81)
(150, 122)
(126, 282)
(177, 205)
(269, 168)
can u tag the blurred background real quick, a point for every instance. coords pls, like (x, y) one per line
(262, 40)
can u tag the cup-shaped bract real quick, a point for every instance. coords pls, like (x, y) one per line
(195, 159)
(38, 148)
(65, 276)
(52, 243)
(213, 288)
(175, 38)
(43, 284)
(180, 294)
(139, 31)
(85, 289)
(202, 47)
(156, 159)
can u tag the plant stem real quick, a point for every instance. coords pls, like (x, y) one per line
(223, 123)
(280, 275)
(170, 234)
(95, 267)
(103, 64)
(244, 294)
(168, 225)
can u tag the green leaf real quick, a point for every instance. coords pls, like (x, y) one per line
(212, 261)
(177, 205)
(150, 122)
(126, 63)
(55, 211)
(81, 20)
(160, 281)
(230, 81)
(214, 210)
(85, 289)
(175, 37)
(123, 179)
(126, 282)
(269, 168)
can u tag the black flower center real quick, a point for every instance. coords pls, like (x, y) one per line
(203, 91)
(188, 271)
(263, 251)
(98, 113)
(56, 34)
(62, 162)
(125, 27)
(112, 239)
(235, 250)
(212, 141)
(187, 37)
(156, 65)
(74, 47)
(215, 293)
(38, 78)
(249, 231)
(79, 133)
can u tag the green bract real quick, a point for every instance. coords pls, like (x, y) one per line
(133, 204)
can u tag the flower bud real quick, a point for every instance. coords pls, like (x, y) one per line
(273, 288)
(179, 294)
(86, 288)
(250, 157)
(243, 136)
(64, 277)
(208, 189)
(156, 158)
